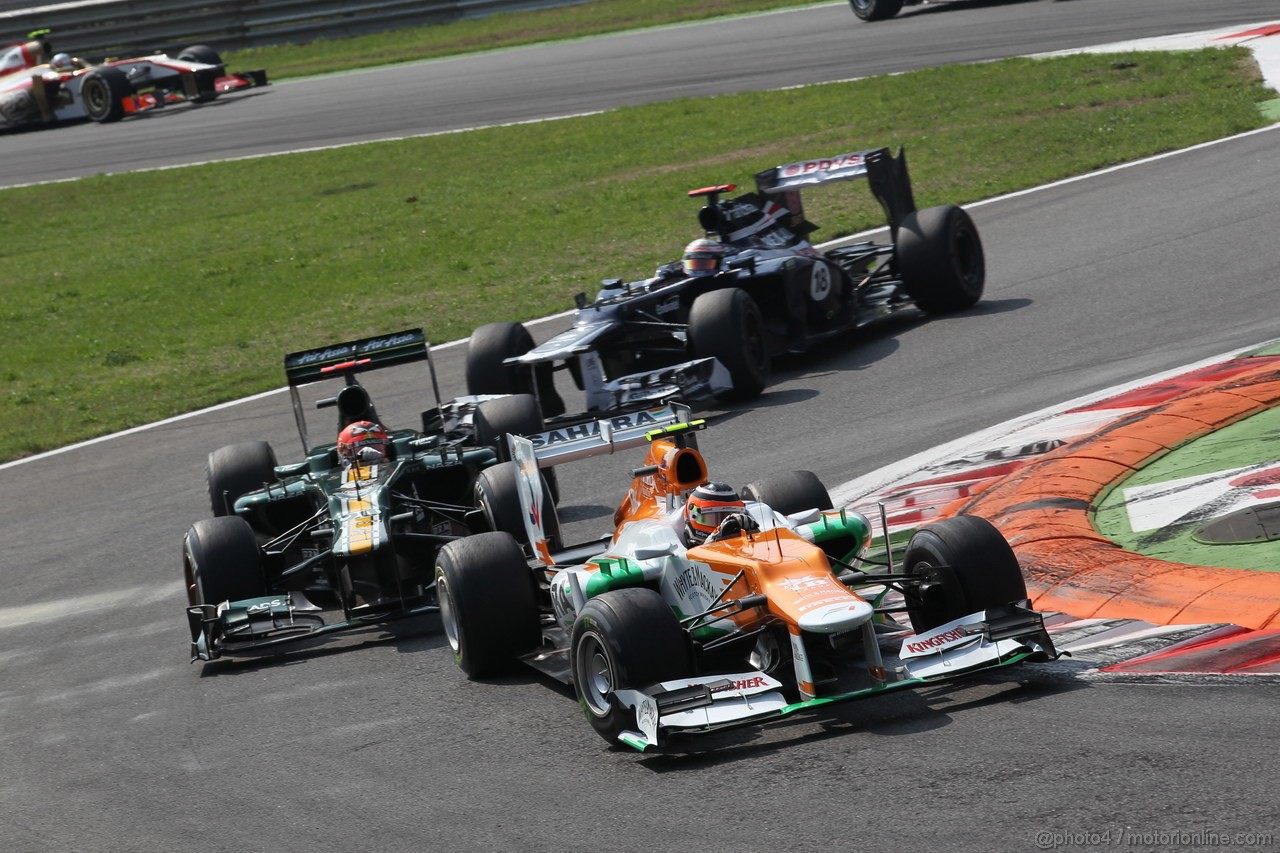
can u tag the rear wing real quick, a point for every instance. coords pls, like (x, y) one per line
(312, 365)
(345, 360)
(597, 438)
(890, 182)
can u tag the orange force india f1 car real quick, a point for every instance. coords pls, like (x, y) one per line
(665, 630)
(39, 87)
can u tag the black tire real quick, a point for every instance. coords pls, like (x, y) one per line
(238, 469)
(102, 93)
(875, 10)
(221, 561)
(498, 498)
(518, 414)
(494, 419)
(200, 53)
(967, 566)
(940, 259)
(488, 604)
(726, 324)
(489, 346)
(794, 491)
(627, 638)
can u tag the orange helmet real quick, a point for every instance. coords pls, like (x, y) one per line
(709, 505)
(362, 443)
(703, 257)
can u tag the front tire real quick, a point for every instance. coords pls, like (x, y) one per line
(102, 94)
(627, 638)
(941, 260)
(492, 344)
(221, 561)
(726, 324)
(964, 565)
(488, 605)
(238, 469)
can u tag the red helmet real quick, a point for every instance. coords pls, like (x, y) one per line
(709, 505)
(362, 443)
(703, 257)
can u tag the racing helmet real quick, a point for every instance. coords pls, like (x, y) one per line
(362, 443)
(62, 62)
(704, 257)
(707, 506)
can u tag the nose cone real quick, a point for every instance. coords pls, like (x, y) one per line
(837, 617)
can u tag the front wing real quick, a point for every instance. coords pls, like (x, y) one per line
(258, 626)
(982, 641)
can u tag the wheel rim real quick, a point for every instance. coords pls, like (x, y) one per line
(594, 674)
(95, 97)
(448, 614)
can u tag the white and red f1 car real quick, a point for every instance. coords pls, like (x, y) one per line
(40, 87)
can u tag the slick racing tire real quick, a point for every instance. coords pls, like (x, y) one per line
(797, 491)
(961, 565)
(492, 344)
(627, 638)
(517, 415)
(726, 324)
(238, 469)
(941, 260)
(875, 10)
(488, 604)
(221, 561)
(498, 499)
(200, 53)
(102, 92)
(794, 491)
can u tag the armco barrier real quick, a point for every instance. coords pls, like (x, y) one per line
(98, 28)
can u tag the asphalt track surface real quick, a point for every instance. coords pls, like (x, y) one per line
(784, 49)
(110, 741)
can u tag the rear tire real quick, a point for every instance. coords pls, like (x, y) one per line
(794, 491)
(627, 638)
(102, 93)
(726, 324)
(221, 561)
(875, 10)
(238, 469)
(200, 53)
(966, 565)
(488, 605)
(941, 260)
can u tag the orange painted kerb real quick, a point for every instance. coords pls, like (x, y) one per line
(1044, 510)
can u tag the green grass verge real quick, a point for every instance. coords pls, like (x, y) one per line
(134, 297)
(510, 29)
